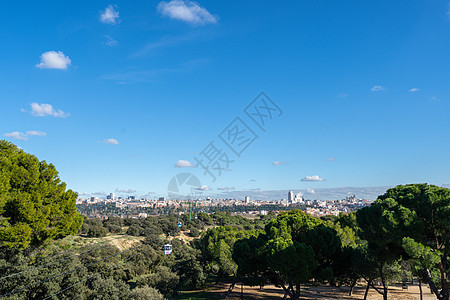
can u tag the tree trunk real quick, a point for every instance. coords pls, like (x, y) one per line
(442, 265)
(351, 287)
(433, 287)
(280, 282)
(286, 292)
(385, 290)
(369, 282)
(219, 275)
(383, 281)
(230, 289)
(420, 289)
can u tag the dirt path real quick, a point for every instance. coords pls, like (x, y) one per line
(122, 242)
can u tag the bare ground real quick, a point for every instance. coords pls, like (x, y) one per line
(308, 292)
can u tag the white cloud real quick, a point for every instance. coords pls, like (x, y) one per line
(312, 178)
(183, 164)
(149, 195)
(414, 90)
(277, 163)
(24, 136)
(98, 193)
(310, 191)
(111, 141)
(378, 88)
(110, 15)
(110, 41)
(126, 191)
(225, 188)
(187, 11)
(17, 135)
(342, 95)
(203, 188)
(54, 60)
(43, 109)
(36, 133)
(165, 42)
(331, 159)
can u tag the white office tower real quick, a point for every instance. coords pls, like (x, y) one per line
(247, 199)
(112, 196)
(291, 197)
(298, 198)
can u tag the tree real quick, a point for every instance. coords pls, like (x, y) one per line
(93, 228)
(419, 212)
(295, 248)
(194, 232)
(146, 293)
(252, 264)
(163, 279)
(187, 265)
(299, 248)
(34, 205)
(108, 289)
(422, 258)
(216, 246)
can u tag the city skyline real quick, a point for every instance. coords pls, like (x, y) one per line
(122, 97)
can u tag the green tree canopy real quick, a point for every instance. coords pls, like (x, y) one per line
(294, 249)
(420, 213)
(216, 245)
(34, 204)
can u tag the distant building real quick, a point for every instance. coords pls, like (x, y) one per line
(247, 199)
(162, 199)
(291, 197)
(298, 198)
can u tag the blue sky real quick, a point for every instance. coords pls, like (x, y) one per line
(116, 93)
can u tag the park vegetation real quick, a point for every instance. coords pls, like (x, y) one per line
(50, 251)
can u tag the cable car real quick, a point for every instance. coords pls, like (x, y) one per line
(179, 224)
(167, 249)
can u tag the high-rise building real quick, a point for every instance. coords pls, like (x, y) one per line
(247, 199)
(291, 197)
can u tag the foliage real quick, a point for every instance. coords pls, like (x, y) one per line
(295, 248)
(216, 246)
(411, 221)
(93, 228)
(162, 278)
(145, 293)
(35, 207)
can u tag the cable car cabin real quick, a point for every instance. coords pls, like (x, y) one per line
(179, 224)
(167, 249)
